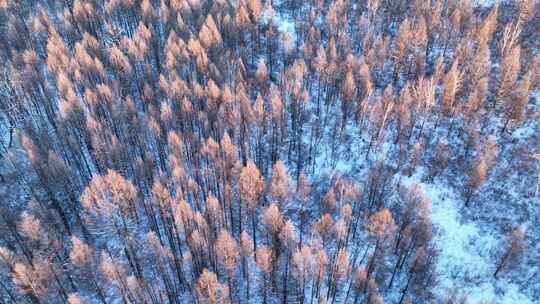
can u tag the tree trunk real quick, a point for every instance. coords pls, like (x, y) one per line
(404, 293)
(285, 281)
(502, 263)
(253, 233)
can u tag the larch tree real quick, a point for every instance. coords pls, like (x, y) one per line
(516, 104)
(229, 254)
(250, 187)
(273, 220)
(509, 72)
(288, 239)
(303, 190)
(303, 263)
(477, 176)
(440, 158)
(73, 298)
(246, 250)
(264, 257)
(380, 227)
(82, 258)
(280, 184)
(480, 166)
(111, 203)
(513, 248)
(209, 290)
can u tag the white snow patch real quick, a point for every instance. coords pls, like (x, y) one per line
(465, 260)
(283, 24)
(484, 3)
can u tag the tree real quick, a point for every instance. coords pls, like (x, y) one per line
(273, 220)
(246, 251)
(82, 258)
(339, 271)
(526, 11)
(440, 159)
(380, 227)
(250, 187)
(287, 236)
(73, 298)
(111, 203)
(403, 35)
(115, 274)
(30, 227)
(480, 167)
(303, 190)
(263, 258)
(209, 290)
(304, 264)
(348, 91)
(280, 184)
(509, 73)
(451, 86)
(514, 245)
(517, 102)
(31, 280)
(228, 253)
(109, 196)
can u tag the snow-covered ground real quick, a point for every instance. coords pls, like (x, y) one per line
(466, 260)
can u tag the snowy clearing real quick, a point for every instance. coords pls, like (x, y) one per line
(465, 261)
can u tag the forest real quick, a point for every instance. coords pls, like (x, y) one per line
(269, 151)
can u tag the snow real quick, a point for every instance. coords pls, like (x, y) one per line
(284, 25)
(484, 3)
(465, 260)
